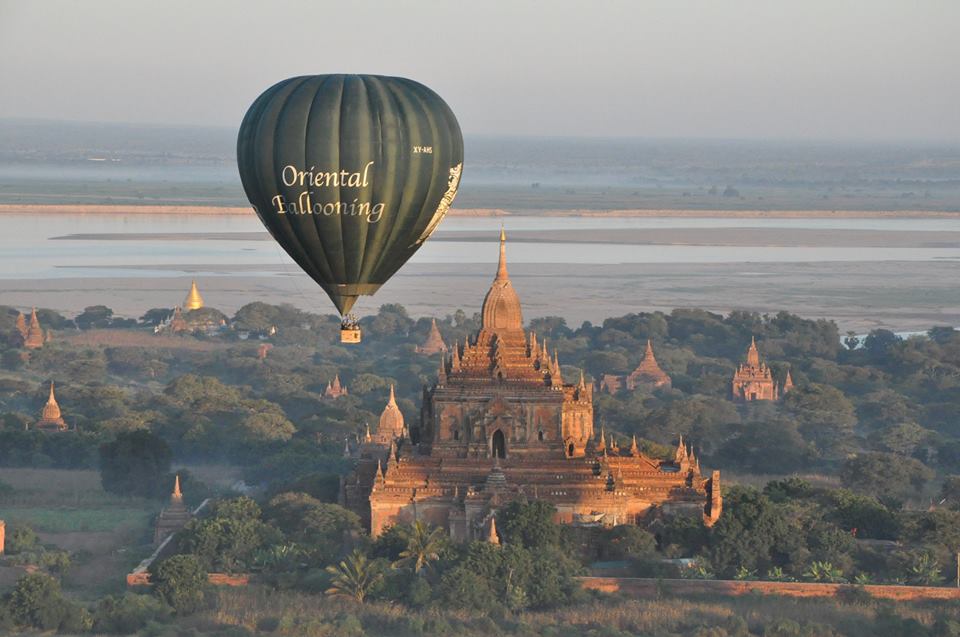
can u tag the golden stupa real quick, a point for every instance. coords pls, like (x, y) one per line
(193, 301)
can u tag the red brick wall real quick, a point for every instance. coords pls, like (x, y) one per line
(649, 587)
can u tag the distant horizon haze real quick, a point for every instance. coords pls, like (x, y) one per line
(747, 70)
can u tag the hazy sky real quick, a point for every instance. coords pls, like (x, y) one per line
(874, 69)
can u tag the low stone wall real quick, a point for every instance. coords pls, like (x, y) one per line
(643, 587)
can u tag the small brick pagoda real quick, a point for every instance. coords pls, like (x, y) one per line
(501, 424)
(335, 389)
(434, 342)
(50, 418)
(33, 338)
(647, 374)
(173, 517)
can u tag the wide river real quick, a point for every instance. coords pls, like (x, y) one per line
(896, 273)
(60, 246)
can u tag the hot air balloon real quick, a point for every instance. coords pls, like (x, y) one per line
(350, 174)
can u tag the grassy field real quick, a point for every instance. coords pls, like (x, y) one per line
(107, 535)
(286, 613)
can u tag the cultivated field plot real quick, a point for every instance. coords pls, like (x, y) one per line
(105, 534)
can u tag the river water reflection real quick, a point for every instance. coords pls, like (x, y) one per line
(28, 248)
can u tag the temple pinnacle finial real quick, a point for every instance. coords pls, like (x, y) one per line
(753, 355)
(393, 398)
(51, 399)
(502, 266)
(492, 537)
(176, 496)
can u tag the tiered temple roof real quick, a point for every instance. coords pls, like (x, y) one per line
(51, 418)
(500, 424)
(502, 350)
(648, 372)
(434, 342)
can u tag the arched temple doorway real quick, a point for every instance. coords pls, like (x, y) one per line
(498, 444)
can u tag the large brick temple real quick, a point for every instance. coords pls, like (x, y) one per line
(500, 424)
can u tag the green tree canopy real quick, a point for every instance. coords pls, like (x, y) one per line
(134, 463)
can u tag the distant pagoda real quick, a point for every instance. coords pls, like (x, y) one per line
(335, 389)
(22, 326)
(50, 417)
(647, 374)
(177, 322)
(193, 301)
(174, 517)
(34, 338)
(434, 342)
(754, 380)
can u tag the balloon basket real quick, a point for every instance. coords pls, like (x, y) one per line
(350, 329)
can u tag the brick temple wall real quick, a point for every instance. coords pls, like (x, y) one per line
(643, 587)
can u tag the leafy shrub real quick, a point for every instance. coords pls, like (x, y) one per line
(180, 581)
(36, 602)
(122, 615)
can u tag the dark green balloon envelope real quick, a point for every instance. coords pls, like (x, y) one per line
(350, 174)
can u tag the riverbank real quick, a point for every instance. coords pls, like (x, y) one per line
(148, 209)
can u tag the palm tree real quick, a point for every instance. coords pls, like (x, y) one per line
(925, 571)
(823, 572)
(354, 577)
(423, 546)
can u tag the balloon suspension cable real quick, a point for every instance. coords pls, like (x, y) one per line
(350, 321)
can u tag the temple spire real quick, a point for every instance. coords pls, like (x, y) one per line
(753, 356)
(681, 455)
(501, 307)
(442, 371)
(502, 266)
(177, 495)
(634, 447)
(492, 537)
(556, 378)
